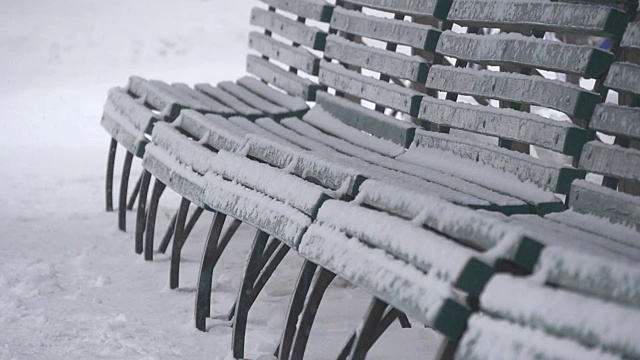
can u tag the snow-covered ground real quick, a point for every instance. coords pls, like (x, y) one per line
(71, 286)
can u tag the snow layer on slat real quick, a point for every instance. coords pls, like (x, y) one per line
(433, 8)
(318, 10)
(217, 131)
(292, 103)
(185, 150)
(611, 160)
(212, 105)
(539, 15)
(269, 215)
(478, 173)
(252, 128)
(123, 132)
(394, 31)
(297, 32)
(624, 77)
(370, 121)
(617, 207)
(422, 248)
(631, 38)
(512, 48)
(378, 273)
(600, 276)
(568, 98)
(184, 99)
(326, 122)
(228, 99)
(291, 83)
(399, 65)
(592, 322)
(616, 120)
(599, 226)
(553, 233)
(252, 99)
(308, 166)
(478, 229)
(159, 99)
(438, 179)
(525, 167)
(290, 135)
(390, 95)
(271, 181)
(120, 105)
(509, 124)
(298, 57)
(491, 339)
(174, 174)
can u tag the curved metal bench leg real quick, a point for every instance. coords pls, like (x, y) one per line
(365, 338)
(158, 189)
(295, 308)
(447, 350)
(124, 185)
(111, 161)
(168, 234)
(134, 193)
(141, 214)
(178, 238)
(212, 252)
(246, 299)
(193, 221)
(322, 281)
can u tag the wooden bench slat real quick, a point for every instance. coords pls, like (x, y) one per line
(297, 32)
(616, 120)
(285, 80)
(384, 168)
(539, 15)
(379, 92)
(218, 132)
(611, 160)
(294, 104)
(490, 339)
(212, 105)
(120, 104)
(506, 123)
(620, 208)
(599, 226)
(568, 98)
(624, 77)
(187, 151)
(431, 8)
(526, 168)
(156, 97)
(523, 50)
(273, 217)
(565, 314)
(290, 135)
(309, 9)
(394, 31)
(229, 100)
(298, 57)
(252, 128)
(252, 99)
(631, 38)
(399, 65)
(326, 122)
(373, 122)
(184, 99)
(123, 131)
(420, 296)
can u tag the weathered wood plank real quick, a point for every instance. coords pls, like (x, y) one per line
(379, 92)
(631, 38)
(213, 106)
(373, 122)
(542, 16)
(526, 168)
(506, 123)
(294, 104)
(616, 120)
(297, 32)
(122, 105)
(287, 81)
(318, 10)
(217, 131)
(399, 65)
(618, 207)
(252, 99)
(624, 77)
(394, 31)
(568, 98)
(523, 50)
(612, 160)
(156, 97)
(229, 100)
(431, 8)
(124, 133)
(298, 57)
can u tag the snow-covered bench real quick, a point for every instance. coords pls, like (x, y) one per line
(130, 112)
